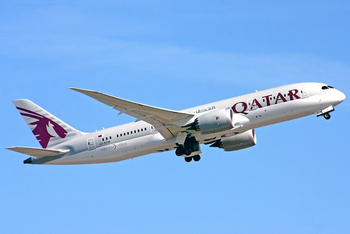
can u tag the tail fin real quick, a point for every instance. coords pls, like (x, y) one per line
(48, 129)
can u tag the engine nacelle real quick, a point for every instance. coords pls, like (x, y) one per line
(218, 121)
(215, 121)
(237, 142)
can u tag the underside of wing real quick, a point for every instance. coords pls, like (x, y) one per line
(167, 122)
(38, 152)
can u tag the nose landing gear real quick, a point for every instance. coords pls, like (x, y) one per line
(325, 112)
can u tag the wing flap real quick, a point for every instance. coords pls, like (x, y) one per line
(163, 120)
(38, 152)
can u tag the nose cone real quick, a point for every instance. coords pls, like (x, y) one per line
(340, 96)
(333, 97)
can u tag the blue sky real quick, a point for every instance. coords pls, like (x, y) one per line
(175, 55)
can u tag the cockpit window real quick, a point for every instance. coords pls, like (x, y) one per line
(327, 87)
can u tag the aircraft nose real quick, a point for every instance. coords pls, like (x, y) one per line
(341, 96)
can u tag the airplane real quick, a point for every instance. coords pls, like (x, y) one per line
(228, 124)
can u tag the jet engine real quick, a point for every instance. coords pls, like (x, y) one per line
(215, 121)
(237, 142)
(218, 121)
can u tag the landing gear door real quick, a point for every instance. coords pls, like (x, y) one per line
(91, 143)
(304, 93)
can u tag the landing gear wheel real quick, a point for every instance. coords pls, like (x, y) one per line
(327, 116)
(179, 151)
(196, 158)
(188, 152)
(188, 159)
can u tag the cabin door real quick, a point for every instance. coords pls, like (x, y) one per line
(91, 143)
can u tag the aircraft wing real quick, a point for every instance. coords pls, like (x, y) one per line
(167, 122)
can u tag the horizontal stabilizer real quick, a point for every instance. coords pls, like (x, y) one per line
(38, 152)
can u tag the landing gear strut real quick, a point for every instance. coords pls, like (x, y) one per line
(325, 112)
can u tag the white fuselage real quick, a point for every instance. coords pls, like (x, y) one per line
(140, 138)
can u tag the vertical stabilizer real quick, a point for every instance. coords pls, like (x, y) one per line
(48, 129)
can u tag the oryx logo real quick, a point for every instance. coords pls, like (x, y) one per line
(45, 128)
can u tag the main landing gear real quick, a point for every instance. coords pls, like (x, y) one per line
(187, 151)
(190, 146)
